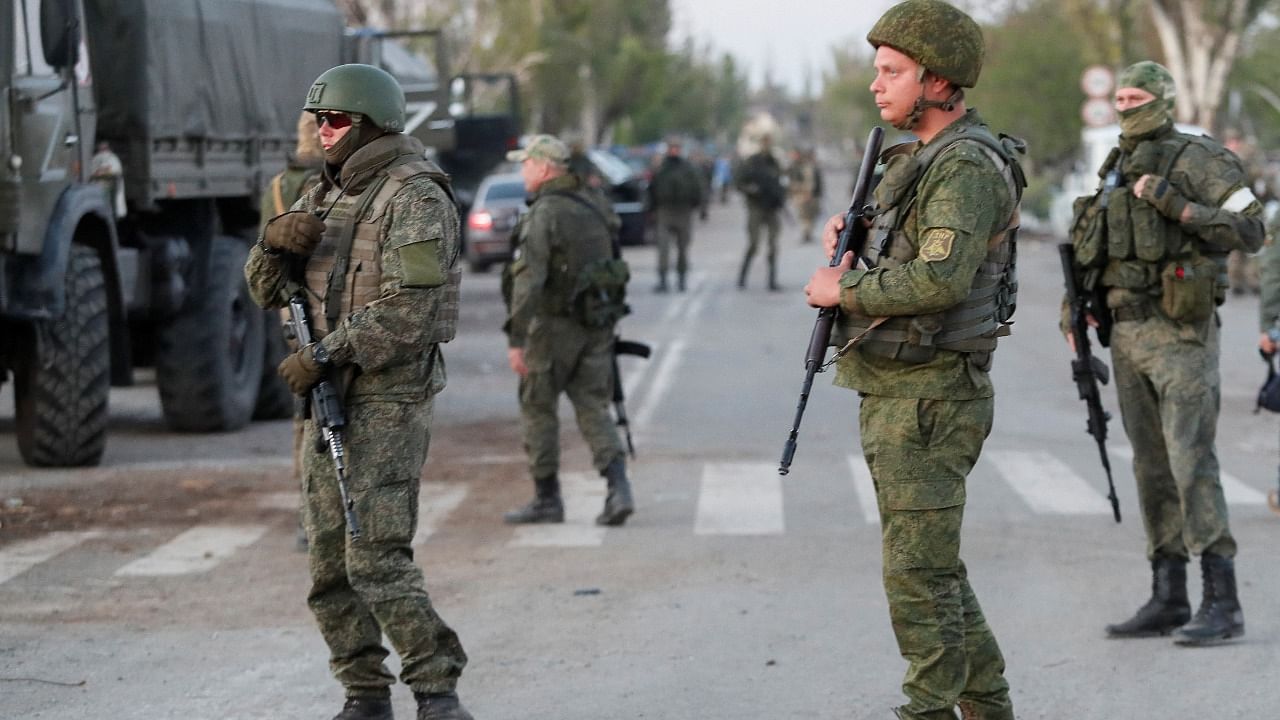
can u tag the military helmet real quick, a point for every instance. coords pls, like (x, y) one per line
(357, 88)
(935, 34)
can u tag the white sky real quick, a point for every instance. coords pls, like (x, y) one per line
(789, 35)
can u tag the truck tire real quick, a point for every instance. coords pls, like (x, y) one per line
(209, 364)
(61, 383)
(275, 400)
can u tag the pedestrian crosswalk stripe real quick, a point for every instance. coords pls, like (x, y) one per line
(435, 502)
(1047, 484)
(740, 499)
(19, 558)
(583, 495)
(1234, 490)
(865, 488)
(197, 550)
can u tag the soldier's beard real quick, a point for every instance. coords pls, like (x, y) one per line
(1145, 118)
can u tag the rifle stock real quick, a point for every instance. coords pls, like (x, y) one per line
(1088, 371)
(852, 237)
(327, 412)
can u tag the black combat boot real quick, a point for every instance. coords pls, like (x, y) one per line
(440, 706)
(366, 708)
(742, 273)
(1168, 607)
(661, 287)
(546, 506)
(773, 278)
(1220, 616)
(617, 504)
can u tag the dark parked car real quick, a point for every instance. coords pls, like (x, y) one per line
(626, 189)
(498, 203)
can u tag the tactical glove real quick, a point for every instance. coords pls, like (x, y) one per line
(1164, 197)
(301, 371)
(297, 232)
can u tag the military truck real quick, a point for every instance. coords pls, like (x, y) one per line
(198, 100)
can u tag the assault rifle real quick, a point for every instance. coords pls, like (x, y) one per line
(326, 411)
(625, 347)
(852, 237)
(1087, 370)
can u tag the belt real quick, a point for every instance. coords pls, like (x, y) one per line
(1131, 312)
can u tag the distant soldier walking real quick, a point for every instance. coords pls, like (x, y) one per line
(380, 275)
(928, 315)
(805, 187)
(760, 180)
(568, 288)
(674, 193)
(1180, 204)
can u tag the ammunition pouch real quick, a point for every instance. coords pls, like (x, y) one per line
(1188, 289)
(600, 293)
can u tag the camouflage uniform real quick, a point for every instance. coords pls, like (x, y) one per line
(926, 412)
(805, 187)
(397, 302)
(557, 239)
(675, 192)
(760, 179)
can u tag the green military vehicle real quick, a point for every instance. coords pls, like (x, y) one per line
(186, 109)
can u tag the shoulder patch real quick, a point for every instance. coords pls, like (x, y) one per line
(937, 244)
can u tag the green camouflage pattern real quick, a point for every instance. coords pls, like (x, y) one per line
(1150, 76)
(543, 147)
(673, 226)
(358, 88)
(1166, 372)
(935, 34)
(762, 223)
(963, 191)
(1168, 384)
(363, 590)
(920, 452)
(559, 237)
(1269, 286)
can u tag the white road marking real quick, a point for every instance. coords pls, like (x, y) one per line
(583, 495)
(661, 383)
(197, 550)
(1047, 484)
(436, 501)
(1234, 490)
(865, 488)
(740, 499)
(21, 557)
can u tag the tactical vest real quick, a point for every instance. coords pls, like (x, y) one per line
(592, 240)
(1143, 248)
(973, 324)
(344, 274)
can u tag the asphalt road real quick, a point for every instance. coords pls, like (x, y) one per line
(165, 584)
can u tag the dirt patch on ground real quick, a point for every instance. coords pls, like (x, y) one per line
(487, 455)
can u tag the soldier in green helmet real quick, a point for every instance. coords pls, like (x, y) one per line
(374, 246)
(920, 324)
(1177, 204)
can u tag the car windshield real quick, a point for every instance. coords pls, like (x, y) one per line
(505, 190)
(611, 166)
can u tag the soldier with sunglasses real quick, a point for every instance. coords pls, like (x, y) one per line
(374, 249)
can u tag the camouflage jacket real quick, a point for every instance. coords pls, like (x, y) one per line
(558, 237)
(960, 203)
(677, 185)
(760, 179)
(390, 341)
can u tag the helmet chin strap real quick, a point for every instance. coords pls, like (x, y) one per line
(921, 104)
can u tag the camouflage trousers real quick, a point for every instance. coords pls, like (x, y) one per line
(761, 220)
(563, 357)
(362, 590)
(920, 452)
(674, 226)
(1169, 389)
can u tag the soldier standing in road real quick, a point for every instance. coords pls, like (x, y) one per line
(1182, 203)
(568, 286)
(674, 193)
(380, 274)
(760, 180)
(805, 186)
(922, 324)
(302, 173)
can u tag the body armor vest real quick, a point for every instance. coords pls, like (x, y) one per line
(345, 272)
(1141, 243)
(973, 324)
